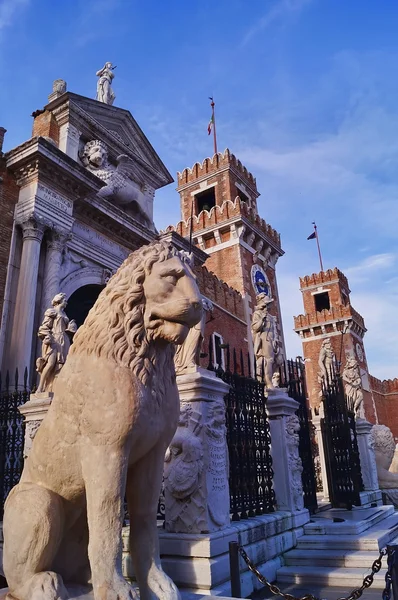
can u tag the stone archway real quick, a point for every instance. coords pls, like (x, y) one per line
(82, 300)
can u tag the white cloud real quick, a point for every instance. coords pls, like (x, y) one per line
(278, 12)
(9, 10)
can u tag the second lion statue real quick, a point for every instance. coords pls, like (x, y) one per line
(114, 413)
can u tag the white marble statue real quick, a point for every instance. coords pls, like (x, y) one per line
(384, 448)
(187, 356)
(353, 387)
(120, 186)
(265, 338)
(326, 362)
(114, 413)
(55, 333)
(105, 92)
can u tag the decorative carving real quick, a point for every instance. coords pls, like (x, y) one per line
(59, 86)
(33, 229)
(30, 432)
(69, 260)
(267, 349)
(114, 410)
(187, 356)
(384, 447)
(120, 186)
(183, 468)
(55, 333)
(276, 379)
(218, 464)
(105, 92)
(326, 363)
(295, 466)
(353, 387)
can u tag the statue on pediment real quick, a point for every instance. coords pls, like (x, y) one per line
(120, 185)
(105, 92)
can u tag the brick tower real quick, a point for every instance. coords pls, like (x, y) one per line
(243, 249)
(328, 314)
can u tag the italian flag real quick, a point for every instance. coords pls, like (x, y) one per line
(210, 125)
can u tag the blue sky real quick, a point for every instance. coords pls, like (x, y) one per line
(306, 96)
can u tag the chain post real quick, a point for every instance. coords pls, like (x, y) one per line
(392, 563)
(236, 590)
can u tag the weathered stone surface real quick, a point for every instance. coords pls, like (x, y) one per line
(114, 412)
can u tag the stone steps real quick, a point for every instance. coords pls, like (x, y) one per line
(330, 558)
(355, 522)
(337, 558)
(372, 539)
(336, 577)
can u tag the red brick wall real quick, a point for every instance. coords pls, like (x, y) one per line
(8, 198)
(385, 394)
(45, 125)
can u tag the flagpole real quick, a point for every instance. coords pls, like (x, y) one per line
(317, 243)
(214, 125)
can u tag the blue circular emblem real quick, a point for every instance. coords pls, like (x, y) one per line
(260, 280)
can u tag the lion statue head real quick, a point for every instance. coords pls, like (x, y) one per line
(95, 155)
(152, 297)
(384, 444)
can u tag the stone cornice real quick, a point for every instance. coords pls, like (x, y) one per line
(181, 243)
(111, 220)
(40, 158)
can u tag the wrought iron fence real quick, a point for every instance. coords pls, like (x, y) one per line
(341, 446)
(248, 438)
(296, 386)
(12, 432)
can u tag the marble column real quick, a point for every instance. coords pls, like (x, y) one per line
(286, 462)
(367, 455)
(316, 421)
(69, 137)
(22, 333)
(52, 269)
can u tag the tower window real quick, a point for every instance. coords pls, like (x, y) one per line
(243, 196)
(218, 352)
(322, 301)
(205, 200)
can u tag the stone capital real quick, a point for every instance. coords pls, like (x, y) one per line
(58, 239)
(33, 229)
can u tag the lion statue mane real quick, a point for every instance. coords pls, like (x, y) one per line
(114, 412)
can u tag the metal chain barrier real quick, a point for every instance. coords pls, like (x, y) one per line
(355, 594)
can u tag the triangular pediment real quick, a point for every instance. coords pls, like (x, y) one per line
(118, 128)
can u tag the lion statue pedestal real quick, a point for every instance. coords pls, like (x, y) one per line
(114, 413)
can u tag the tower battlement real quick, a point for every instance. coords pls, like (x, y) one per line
(208, 219)
(331, 275)
(212, 165)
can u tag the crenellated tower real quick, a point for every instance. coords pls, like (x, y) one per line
(219, 206)
(328, 313)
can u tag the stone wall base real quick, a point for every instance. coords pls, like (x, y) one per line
(200, 563)
(371, 497)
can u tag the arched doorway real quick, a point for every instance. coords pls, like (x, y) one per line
(81, 301)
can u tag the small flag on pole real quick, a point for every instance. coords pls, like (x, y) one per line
(312, 236)
(210, 125)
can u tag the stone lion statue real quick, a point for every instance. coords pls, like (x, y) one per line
(384, 447)
(114, 413)
(120, 186)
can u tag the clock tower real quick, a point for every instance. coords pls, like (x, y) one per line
(219, 209)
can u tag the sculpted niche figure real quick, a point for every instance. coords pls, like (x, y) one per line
(115, 410)
(105, 92)
(120, 186)
(265, 337)
(187, 356)
(326, 362)
(55, 333)
(353, 387)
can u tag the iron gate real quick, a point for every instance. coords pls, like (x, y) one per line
(248, 439)
(339, 436)
(297, 389)
(12, 433)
